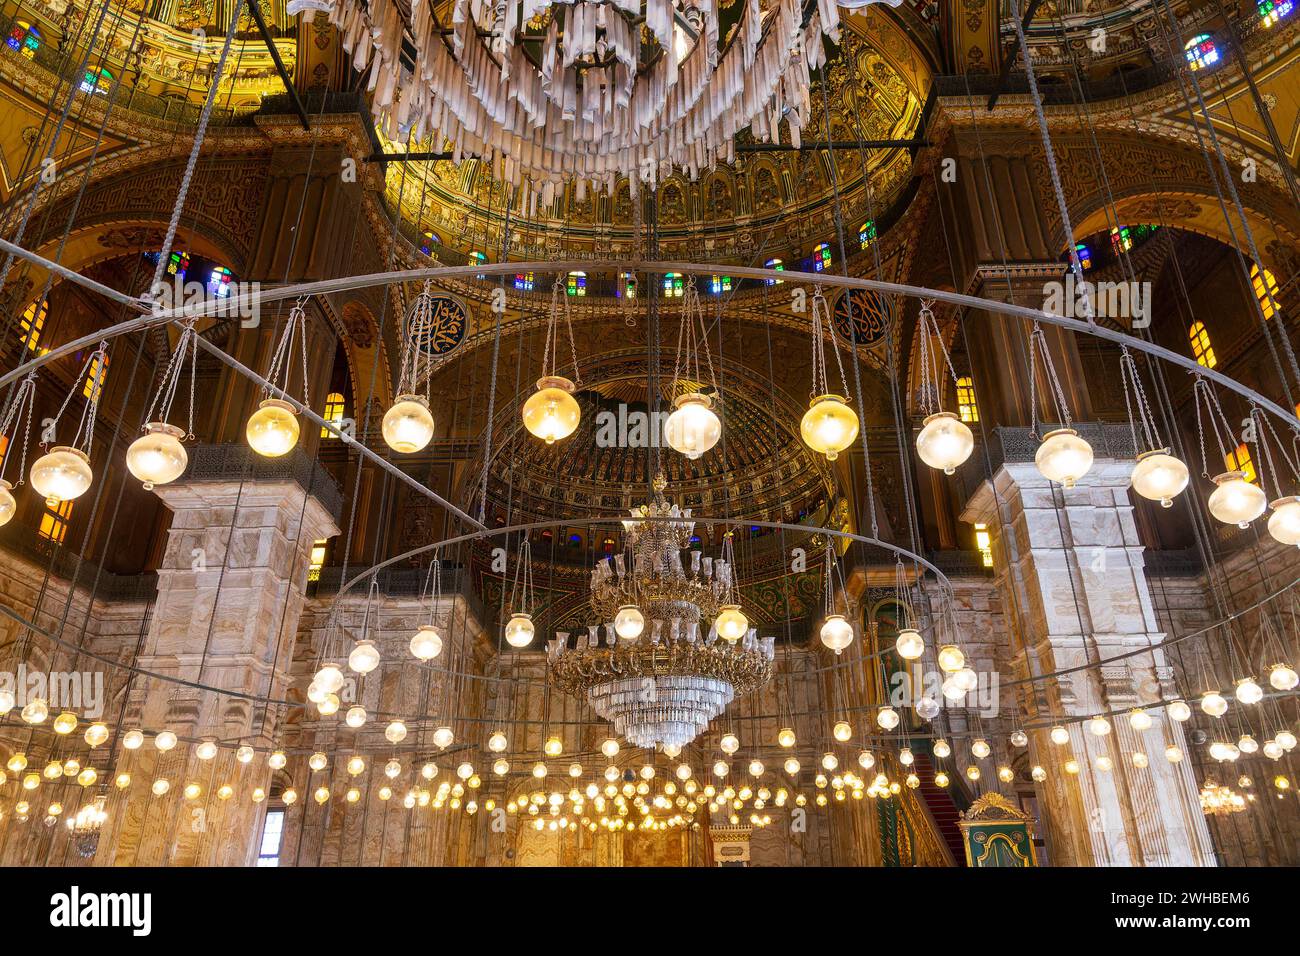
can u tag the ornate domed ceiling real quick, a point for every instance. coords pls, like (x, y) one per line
(771, 200)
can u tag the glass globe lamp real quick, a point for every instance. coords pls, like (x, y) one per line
(830, 761)
(980, 748)
(1283, 677)
(906, 757)
(497, 743)
(1173, 753)
(157, 457)
(693, 427)
(206, 750)
(355, 717)
(1159, 476)
(629, 622)
(1059, 736)
(966, 679)
(731, 623)
(1139, 719)
(866, 759)
(785, 737)
(277, 760)
(829, 426)
(1249, 692)
(329, 678)
(165, 741)
(944, 442)
(35, 711)
(7, 504)
(395, 732)
(951, 658)
(609, 747)
(364, 657)
(65, 723)
(272, 430)
(952, 690)
(1284, 522)
(887, 718)
(941, 779)
(910, 645)
(837, 633)
(553, 747)
(842, 731)
(500, 766)
(444, 738)
(792, 766)
(61, 475)
(552, 413)
(245, 754)
(729, 743)
(408, 425)
(427, 643)
(1140, 760)
(1213, 704)
(942, 748)
(927, 708)
(1063, 457)
(1248, 744)
(1019, 738)
(132, 740)
(1180, 710)
(1099, 726)
(1235, 500)
(1038, 774)
(1285, 739)
(96, 734)
(520, 630)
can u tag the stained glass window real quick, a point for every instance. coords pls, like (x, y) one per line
(428, 241)
(967, 410)
(96, 376)
(777, 266)
(821, 257)
(1084, 253)
(576, 283)
(626, 286)
(477, 258)
(1265, 286)
(219, 281)
(334, 406)
(1239, 460)
(24, 39)
(177, 263)
(719, 284)
(1201, 51)
(524, 281)
(96, 81)
(674, 285)
(867, 233)
(1271, 11)
(1202, 351)
(33, 323)
(54, 522)
(1121, 239)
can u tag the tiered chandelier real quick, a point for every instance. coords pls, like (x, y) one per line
(552, 92)
(661, 689)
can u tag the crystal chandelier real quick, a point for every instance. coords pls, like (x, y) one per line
(86, 827)
(1221, 801)
(659, 688)
(572, 90)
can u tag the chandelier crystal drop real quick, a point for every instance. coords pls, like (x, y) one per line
(1063, 457)
(1159, 476)
(273, 430)
(62, 474)
(1236, 500)
(158, 456)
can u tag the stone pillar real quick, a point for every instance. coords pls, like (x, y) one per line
(1071, 573)
(230, 593)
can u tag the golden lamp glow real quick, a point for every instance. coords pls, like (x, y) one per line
(1284, 522)
(408, 425)
(157, 457)
(520, 630)
(552, 413)
(693, 427)
(61, 475)
(732, 623)
(837, 633)
(272, 430)
(1159, 476)
(910, 645)
(1235, 500)
(829, 426)
(944, 442)
(427, 643)
(1063, 457)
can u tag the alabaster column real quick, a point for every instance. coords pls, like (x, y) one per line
(230, 593)
(1070, 569)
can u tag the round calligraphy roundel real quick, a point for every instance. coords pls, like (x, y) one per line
(870, 316)
(444, 328)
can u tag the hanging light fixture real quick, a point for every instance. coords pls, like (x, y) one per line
(1283, 677)
(836, 632)
(1248, 691)
(944, 442)
(693, 427)
(951, 659)
(408, 425)
(520, 630)
(830, 425)
(1179, 710)
(364, 657)
(62, 474)
(17, 412)
(731, 623)
(273, 430)
(552, 413)
(1212, 703)
(1284, 522)
(158, 456)
(1157, 475)
(1063, 457)
(426, 644)
(1235, 500)
(629, 622)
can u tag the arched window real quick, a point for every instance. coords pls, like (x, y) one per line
(608, 545)
(1202, 351)
(1121, 239)
(1271, 11)
(1265, 286)
(867, 234)
(719, 284)
(96, 81)
(177, 264)
(219, 282)
(96, 376)
(576, 283)
(626, 285)
(334, 411)
(967, 410)
(25, 39)
(33, 323)
(821, 257)
(1239, 460)
(776, 266)
(524, 281)
(674, 285)
(54, 522)
(1201, 51)
(428, 241)
(1084, 253)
